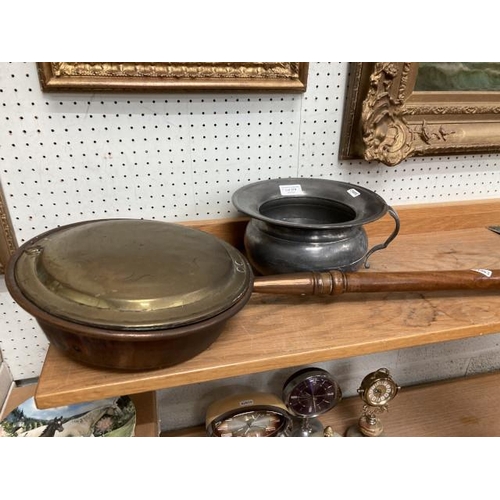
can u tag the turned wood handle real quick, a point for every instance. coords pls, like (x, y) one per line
(338, 282)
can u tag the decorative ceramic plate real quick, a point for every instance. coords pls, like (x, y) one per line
(113, 417)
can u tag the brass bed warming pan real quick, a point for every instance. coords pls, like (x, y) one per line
(141, 294)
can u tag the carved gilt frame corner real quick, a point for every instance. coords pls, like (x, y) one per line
(8, 242)
(173, 76)
(386, 120)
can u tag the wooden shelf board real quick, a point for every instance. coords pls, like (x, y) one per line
(462, 407)
(275, 332)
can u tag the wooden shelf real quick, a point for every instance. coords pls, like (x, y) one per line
(454, 408)
(275, 332)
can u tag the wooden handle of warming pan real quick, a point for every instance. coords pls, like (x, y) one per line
(337, 282)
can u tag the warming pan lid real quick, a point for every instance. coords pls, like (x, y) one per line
(130, 274)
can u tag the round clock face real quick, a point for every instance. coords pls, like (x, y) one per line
(380, 393)
(311, 392)
(254, 423)
(378, 388)
(253, 414)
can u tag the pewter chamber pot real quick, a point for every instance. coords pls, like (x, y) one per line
(307, 224)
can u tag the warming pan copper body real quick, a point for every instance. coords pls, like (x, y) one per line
(129, 294)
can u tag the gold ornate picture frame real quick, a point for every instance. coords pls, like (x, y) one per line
(173, 76)
(387, 120)
(8, 242)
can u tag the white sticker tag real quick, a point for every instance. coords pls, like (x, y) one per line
(246, 402)
(486, 272)
(353, 192)
(291, 189)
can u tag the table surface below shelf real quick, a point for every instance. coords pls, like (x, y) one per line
(273, 332)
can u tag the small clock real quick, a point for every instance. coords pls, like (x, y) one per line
(307, 394)
(378, 388)
(253, 414)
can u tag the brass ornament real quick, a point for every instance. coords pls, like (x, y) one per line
(330, 432)
(431, 134)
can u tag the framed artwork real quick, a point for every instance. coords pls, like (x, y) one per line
(173, 76)
(395, 110)
(8, 243)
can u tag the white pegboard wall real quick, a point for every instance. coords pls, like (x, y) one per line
(23, 344)
(66, 157)
(83, 156)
